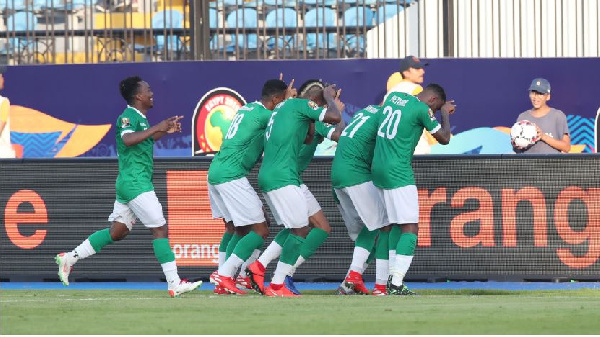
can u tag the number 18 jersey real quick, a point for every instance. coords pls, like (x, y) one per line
(354, 153)
(242, 145)
(401, 122)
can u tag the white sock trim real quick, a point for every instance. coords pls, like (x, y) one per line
(170, 271)
(402, 264)
(82, 251)
(271, 253)
(282, 270)
(230, 266)
(359, 259)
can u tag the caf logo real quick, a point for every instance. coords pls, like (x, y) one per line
(212, 118)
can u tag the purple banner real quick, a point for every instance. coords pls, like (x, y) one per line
(70, 110)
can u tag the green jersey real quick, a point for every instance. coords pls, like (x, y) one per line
(352, 162)
(401, 122)
(242, 145)
(284, 137)
(307, 151)
(136, 163)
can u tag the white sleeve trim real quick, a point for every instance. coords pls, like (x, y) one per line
(322, 114)
(330, 133)
(436, 129)
(126, 131)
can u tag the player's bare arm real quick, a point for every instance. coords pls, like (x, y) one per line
(310, 135)
(443, 134)
(160, 129)
(333, 115)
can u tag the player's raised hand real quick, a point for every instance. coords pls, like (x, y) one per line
(449, 107)
(291, 91)
(176, 125)
(340, 105)
(330, 92)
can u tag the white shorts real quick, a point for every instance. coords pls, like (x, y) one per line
(353, 224)
(311, 202)
(402, 204)
(236, 201)
(289, 205)
(145, 207)
(363, 203)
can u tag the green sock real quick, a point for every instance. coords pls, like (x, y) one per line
(395, 234)
(162, 250)
(291, 249)
(313, 241)
(282, 236)
(225, 241)
(372, 255)
(406, 244)
(247, 245)
(100, 239)
(366, 238)
(231, 245)
(383, 246)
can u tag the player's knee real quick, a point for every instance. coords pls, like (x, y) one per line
(229, 227)
(261, 229)
(118, 233)
(242, 231)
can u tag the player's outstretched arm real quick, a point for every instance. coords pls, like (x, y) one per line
(169, 125)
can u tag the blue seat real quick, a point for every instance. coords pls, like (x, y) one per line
(21, 22)
(280, 3)
(213, 22)
(244, 18)
(165, 19)
(8, 5)
(320, 17)
(355, 18)
(282, 18)
(386, 12)
(319, 2)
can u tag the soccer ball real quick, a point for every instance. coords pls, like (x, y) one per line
(523, 134)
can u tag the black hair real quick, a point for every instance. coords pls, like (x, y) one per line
(273, 88)
(437, 90)
(129, 88)
(309, 85)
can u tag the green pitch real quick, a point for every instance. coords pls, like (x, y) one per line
(435, 312)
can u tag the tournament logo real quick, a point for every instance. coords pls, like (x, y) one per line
(212, 118)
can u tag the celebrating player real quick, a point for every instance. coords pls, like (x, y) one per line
(318, 222)
(279, 176)
(361, 205)
(135, 192)
(231, 195)
(402, 119)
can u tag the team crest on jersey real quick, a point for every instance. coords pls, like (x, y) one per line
(212, 118)
(313, 105)
(431, 116)
(125, 122)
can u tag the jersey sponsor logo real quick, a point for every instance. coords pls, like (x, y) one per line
(125, 122)
(212, 117)
(143, 124)
(313, 105)
(399, 101)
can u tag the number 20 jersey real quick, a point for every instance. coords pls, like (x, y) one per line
(402, 119)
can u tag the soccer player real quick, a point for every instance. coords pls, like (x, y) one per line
(279, 175)
(231, 195)
(317, 220)
(402, 119)
(135, 197)
(359, 200)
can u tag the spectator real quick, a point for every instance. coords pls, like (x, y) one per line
(553, 131)
(6, 150)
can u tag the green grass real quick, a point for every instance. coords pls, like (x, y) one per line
(435, 312)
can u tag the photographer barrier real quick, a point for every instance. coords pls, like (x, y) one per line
(503, 217)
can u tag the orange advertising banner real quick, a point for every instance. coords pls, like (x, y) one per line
(194, 235)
